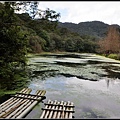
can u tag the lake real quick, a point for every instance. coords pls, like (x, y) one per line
(90, 81)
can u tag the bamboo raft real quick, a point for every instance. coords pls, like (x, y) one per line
(21, 103)
(56, 109)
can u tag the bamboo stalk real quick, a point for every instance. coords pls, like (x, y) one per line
(10, 111)
(24, 106)
(63, 113)
(47, 111)
(56, 110)
(10, 100)
(5, 107)
(71, 108)
(13, 106)
(51, 112)
(19, 109)
(42, 93)
(55, 113)
(66, 113)
(43, 113)
(60, 108)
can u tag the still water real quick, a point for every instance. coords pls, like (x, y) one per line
(90, 81)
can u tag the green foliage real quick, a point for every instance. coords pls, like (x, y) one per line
(12, 44)
(94, 28)
(114, 56)
(22, 33)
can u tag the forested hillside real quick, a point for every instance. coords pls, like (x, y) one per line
(21, 34)
(97, 29)
(49, 37)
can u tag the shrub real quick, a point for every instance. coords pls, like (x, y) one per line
(113, 56)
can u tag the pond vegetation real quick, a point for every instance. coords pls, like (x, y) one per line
(90, 81)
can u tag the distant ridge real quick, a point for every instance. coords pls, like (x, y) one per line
(97, 29)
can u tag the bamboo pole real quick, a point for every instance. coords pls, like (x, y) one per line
(57, 110)
(42, 93)
(51, 112)
(19, 109)
(71, 108)
(12, 106)
(48, 111)
(7, 104)
(43, 113)
(60, 108)
(24, 106)
(63, 113)
(10, 100)
(55, 113)
(66, 113)
(11, 103)
(10, 111)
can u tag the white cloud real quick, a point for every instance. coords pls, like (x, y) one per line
(82, 11)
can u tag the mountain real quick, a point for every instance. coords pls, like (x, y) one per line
(97, 29)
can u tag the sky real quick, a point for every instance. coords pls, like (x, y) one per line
(84, 11)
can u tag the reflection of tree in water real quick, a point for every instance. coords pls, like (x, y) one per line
(113, 81)
(108, 82)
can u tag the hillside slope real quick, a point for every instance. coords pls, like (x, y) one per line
(97, 29)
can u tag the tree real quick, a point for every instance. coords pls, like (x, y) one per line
(49, 19)
(12, 43)
(31, 7)
(111, 43)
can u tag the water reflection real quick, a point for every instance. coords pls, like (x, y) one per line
(91, 99)
(107, 80)
(84, 79)
(91, 113)
(90, 81)
(112, 82)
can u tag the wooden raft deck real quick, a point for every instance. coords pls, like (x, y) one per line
(21, 103)
(56, 109)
